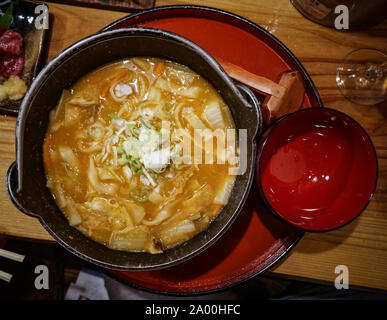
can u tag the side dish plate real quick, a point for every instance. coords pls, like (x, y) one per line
(24, 18)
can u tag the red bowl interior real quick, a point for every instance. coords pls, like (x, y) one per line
(317, 169)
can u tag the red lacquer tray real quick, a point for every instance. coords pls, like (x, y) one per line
(256, 240)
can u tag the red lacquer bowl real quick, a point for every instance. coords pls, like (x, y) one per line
(317, 169)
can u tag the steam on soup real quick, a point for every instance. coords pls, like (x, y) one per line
(115, 158)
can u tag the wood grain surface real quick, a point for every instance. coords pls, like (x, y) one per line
(362, 244)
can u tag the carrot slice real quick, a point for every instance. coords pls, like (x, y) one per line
(214, 209)
(110, 83)
(159, 69)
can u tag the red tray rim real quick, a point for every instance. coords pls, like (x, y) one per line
(196, 11)
(113, 274)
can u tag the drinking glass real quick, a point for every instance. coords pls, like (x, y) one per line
(362, 76)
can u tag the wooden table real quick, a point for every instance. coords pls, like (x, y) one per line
(361, 245)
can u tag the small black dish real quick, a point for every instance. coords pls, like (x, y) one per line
(24, 18)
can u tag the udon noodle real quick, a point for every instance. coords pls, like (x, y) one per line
(114, 159)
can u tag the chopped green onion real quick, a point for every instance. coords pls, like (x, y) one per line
(140, 195)
(123, 160)
(135, 165)
(147, 124)
(120, 150)
(153, 174)
(113, 116)
(133, 130)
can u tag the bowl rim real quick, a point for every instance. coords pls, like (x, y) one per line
(267, 134)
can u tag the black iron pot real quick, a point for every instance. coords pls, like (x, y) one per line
(26, 181)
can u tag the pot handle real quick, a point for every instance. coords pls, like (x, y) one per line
(12, 186)
(256, 106)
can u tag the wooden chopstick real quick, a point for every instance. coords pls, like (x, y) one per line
(5, 276)
(257, 82)
(11, 255)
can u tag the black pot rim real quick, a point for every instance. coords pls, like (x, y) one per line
(62, 58)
